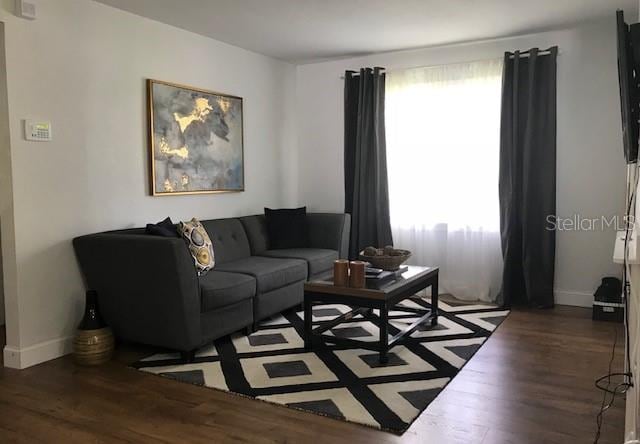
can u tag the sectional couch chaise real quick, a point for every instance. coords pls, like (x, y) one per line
(149, 291)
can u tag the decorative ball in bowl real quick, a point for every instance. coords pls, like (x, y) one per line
(387, 258)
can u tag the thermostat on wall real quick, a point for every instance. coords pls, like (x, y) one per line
(38, 131)
(25, 10)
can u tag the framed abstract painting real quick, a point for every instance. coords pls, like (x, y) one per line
(195, 140)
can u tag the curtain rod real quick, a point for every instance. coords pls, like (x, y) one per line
(522, 54)
(357, 73)
(528, 52)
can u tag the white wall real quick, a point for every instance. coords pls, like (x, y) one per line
(632, 410)
(7, 262)
(632, 396)
(591, 172)
(83, 65)
(1, 283)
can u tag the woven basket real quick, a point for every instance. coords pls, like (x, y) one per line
(389, 263)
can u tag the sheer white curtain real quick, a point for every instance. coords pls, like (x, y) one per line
(443, 144)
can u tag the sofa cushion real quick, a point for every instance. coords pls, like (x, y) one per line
(330, 231)
(164, 228)
(287, 227)
(256, 229)
(270, 273)
(318, 259)
(219, 289)
(229, 239)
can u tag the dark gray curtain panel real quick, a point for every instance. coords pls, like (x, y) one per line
(528, 177)
(365, 160)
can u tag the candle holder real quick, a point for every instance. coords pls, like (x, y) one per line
(341, 273)
(356, 274)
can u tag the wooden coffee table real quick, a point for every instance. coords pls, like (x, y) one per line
(363, 301)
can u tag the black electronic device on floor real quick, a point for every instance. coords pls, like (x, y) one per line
(607, 301)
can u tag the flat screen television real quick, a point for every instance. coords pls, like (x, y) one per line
(628, 76)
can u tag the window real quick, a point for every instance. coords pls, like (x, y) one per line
(443, 145)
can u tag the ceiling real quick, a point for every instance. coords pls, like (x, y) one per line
(303, 31)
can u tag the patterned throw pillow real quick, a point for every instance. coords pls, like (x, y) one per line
(199, 244)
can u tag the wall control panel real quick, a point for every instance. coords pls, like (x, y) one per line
(25, 9)
(37, 130)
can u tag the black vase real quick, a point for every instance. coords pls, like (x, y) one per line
(92, 319)
(93, 343)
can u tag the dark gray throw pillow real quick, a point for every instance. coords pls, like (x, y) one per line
(164, 228)
(287, 227)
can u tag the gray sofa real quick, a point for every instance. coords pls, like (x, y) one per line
(149, 291)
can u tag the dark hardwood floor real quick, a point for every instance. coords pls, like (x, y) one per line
(532, 382)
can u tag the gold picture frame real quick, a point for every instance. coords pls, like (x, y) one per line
(195, 140)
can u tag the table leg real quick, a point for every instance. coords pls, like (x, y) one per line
(308, 323)
(384, 334)
(434, 301)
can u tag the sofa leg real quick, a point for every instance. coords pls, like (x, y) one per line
(188, 356)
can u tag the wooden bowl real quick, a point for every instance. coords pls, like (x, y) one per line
(386, 262)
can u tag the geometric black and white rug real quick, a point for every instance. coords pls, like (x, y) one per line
(272, 365)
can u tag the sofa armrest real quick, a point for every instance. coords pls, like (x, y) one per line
(147, 286)
(330, 230)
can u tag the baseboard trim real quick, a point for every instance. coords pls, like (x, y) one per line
(21, 358)
(574, 298)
